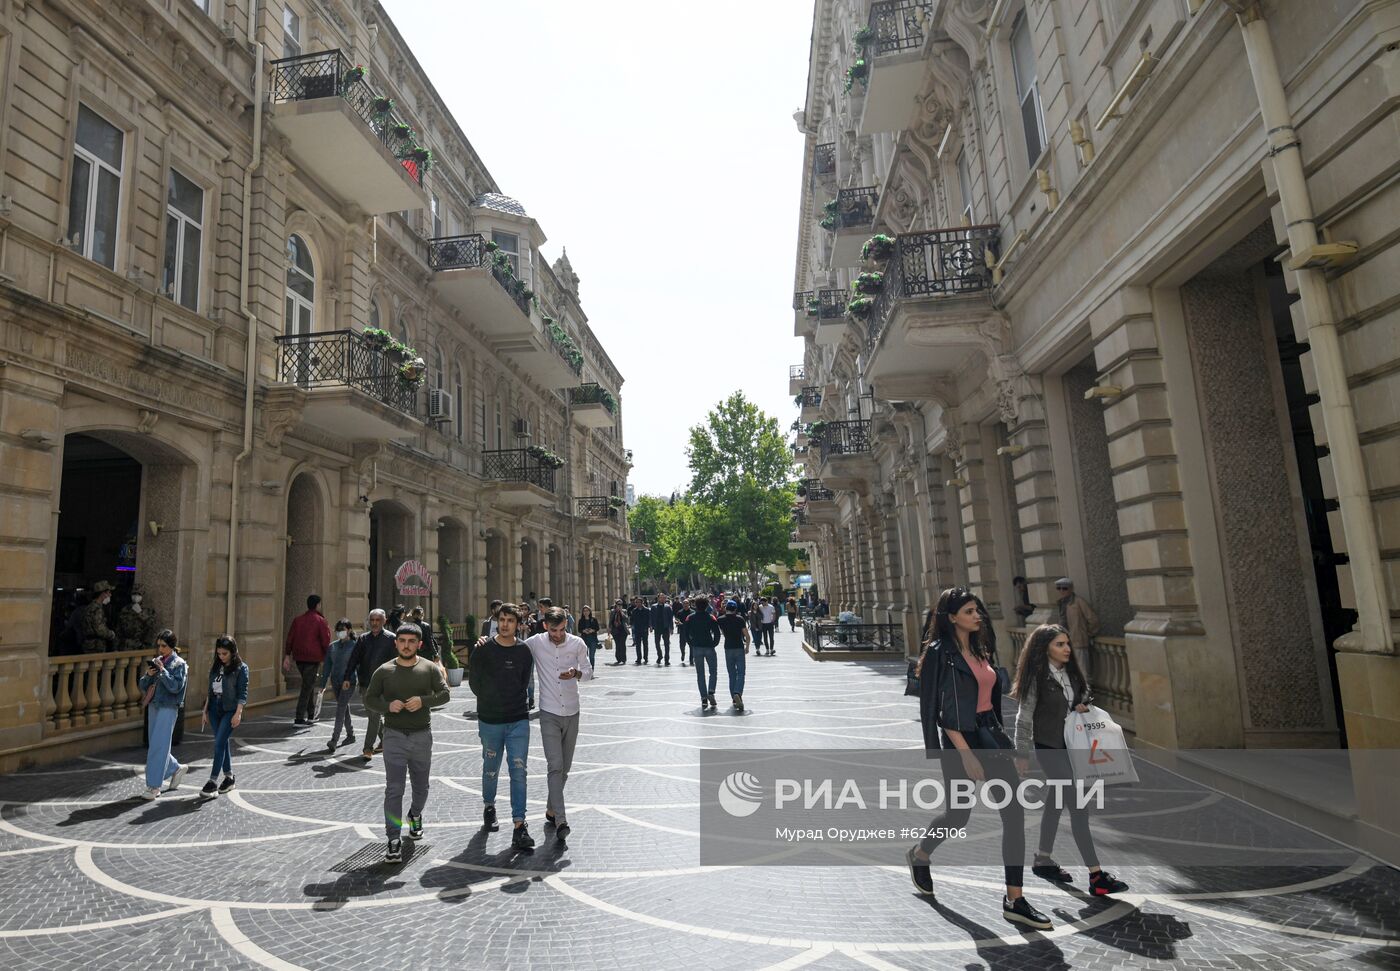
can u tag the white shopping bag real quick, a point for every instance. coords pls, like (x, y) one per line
(1097, 749)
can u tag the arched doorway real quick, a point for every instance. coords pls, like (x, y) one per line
(303, 572)
(391, 541)
(497, 577)
(529, 570)
(558, 589)
(451, 578)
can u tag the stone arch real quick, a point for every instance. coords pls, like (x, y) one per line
(454, 564)
(393, 538)
(307, 549)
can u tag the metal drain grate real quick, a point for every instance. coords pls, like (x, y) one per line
(373, 856)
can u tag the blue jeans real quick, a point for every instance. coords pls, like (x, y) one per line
(734, 664)
(592, 641)
(513, 740)
(701, 656)
(222, 723)
(160, 764)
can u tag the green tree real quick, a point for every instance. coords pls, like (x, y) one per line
(742, 488)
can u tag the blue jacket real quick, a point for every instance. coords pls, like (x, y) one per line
(170, 683)
(235, 688)
(338, 669)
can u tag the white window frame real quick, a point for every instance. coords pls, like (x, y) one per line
(514, 255)
(965, 185)
(291, 32)
(184, 221)
(1027, 90)
(297, 301)
(435, 206)
(95, 166)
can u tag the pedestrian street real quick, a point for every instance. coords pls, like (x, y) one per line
(287, 871)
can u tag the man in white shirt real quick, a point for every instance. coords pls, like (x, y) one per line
(561, 662)
(770, 622)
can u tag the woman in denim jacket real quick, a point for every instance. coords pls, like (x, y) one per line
(163, 692)
(340, 675)
(228, 693)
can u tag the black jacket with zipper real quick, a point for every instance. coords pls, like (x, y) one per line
(948, 694)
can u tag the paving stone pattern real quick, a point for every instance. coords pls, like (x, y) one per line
(287, 871)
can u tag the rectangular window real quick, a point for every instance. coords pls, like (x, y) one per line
(965, 184)
(184, 241)
(500, 430)
(1027, 88)
(94, 199)
(291, 33)
(479, 417)
(436, 205)
(510, 245)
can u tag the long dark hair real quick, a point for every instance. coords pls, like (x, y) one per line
(234, 661)
(1034, 663)
(981, 643)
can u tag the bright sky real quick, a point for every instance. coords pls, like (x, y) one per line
(656, 142)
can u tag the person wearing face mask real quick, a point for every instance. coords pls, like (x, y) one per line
(96, 636)
(136, 625)
(341, 676)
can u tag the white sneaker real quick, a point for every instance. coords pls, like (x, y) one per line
(150, 794)
(177, 778)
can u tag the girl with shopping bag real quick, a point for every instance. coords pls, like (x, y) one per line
(1052, 692)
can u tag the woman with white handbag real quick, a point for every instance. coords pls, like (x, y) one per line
(1049, 684)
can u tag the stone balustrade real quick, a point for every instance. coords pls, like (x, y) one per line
(85, 690)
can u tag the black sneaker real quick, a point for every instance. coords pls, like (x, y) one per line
(1021, 912)
(521, 839)
(713, 705)
(668, 664)
(562, 832)
(1052, 871)
(919, 873)
(1103, 883)
(330, 747)
(548, 819)
(394, 852)
(415, 827)
(350, 739)
(227, 785)
(488, 821)
(210, 790)
(738, 702)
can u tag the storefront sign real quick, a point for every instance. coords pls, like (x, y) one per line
(413, 579)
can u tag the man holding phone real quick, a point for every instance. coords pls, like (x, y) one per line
(561, 660)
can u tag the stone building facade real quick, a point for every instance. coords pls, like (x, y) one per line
(1136, 324)
(221, 221)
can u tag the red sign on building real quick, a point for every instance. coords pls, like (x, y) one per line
(413, 579)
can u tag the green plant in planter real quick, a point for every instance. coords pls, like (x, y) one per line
(869, 282)
(381, 106)
(608, 399)
(526, 292)
(377, 338)
(355, 75)
(878, 247)
(400, 130)
(858, 71)
(814, 306)
(797, 399)
(412, 372)
(802, 489)
(616, 502)
(472, 626)
(501, 261)
(860, 307)
(831, 212)
(576, 359)
(864, 36)
(492, 246)
(816, 430)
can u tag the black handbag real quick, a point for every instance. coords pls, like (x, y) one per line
(911, 679)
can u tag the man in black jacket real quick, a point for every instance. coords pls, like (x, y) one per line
(703, 635)
(640, 618)
(374, 648)
(663, 619)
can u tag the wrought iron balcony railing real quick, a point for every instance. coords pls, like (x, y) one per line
(824, 159)
(933, 263)
(845, 437)
(855, 208)
(898, 25)
(593, 394)
(799, 516)
(342, 358)
(596, 507)
(639, 535)
(516, 465)
(811, 397)
(564, 346)
(469, 252)
(329, 74)
(797, 372)
(800, 298)
(816, 492)
(832, 304)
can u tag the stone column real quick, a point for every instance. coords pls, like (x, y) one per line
(1035, 497)
(974, 502)
(478, 595)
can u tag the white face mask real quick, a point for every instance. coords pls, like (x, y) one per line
(345, 635)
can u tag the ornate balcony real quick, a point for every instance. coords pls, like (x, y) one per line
(813, 491)
(831, 316)
(600, 514)
(804, 319)
(927, 317)
(468, 278)
(851, 217)
(846, 461)
(809, 399)
(897, 62)
(520, 478)
(338, 383)
(340, 131)
(797, 378)
(551, 356)
(824, 162)
(593, 406)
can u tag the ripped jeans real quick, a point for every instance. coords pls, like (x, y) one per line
(513, 740)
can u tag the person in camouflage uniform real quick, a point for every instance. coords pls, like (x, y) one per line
(136, 624)
(96, 635)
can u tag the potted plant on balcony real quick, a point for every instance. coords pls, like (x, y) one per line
(355, 75)
(860, 307)
(858, 71)
(877, 248)
(411, 373)
(816, 430)
(449, 656)
(400, 130)
(814, 306)
(381, 106)
(830, 214)
(802, 488)
(420, 156)
(615, 502)
(863, 37)
(608, 400)
(868, 283)
(492, 246)
(377, 338)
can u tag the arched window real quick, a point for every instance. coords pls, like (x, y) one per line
(301, 287)
(374, 314)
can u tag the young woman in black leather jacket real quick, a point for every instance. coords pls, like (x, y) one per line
(960, 711)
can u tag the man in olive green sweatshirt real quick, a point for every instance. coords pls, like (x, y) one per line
(404, 691)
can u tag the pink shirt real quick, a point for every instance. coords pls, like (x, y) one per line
(986, 680)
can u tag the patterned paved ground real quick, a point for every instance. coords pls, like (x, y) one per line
(285, 872)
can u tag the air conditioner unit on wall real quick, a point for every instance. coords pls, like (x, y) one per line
(439, 405)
